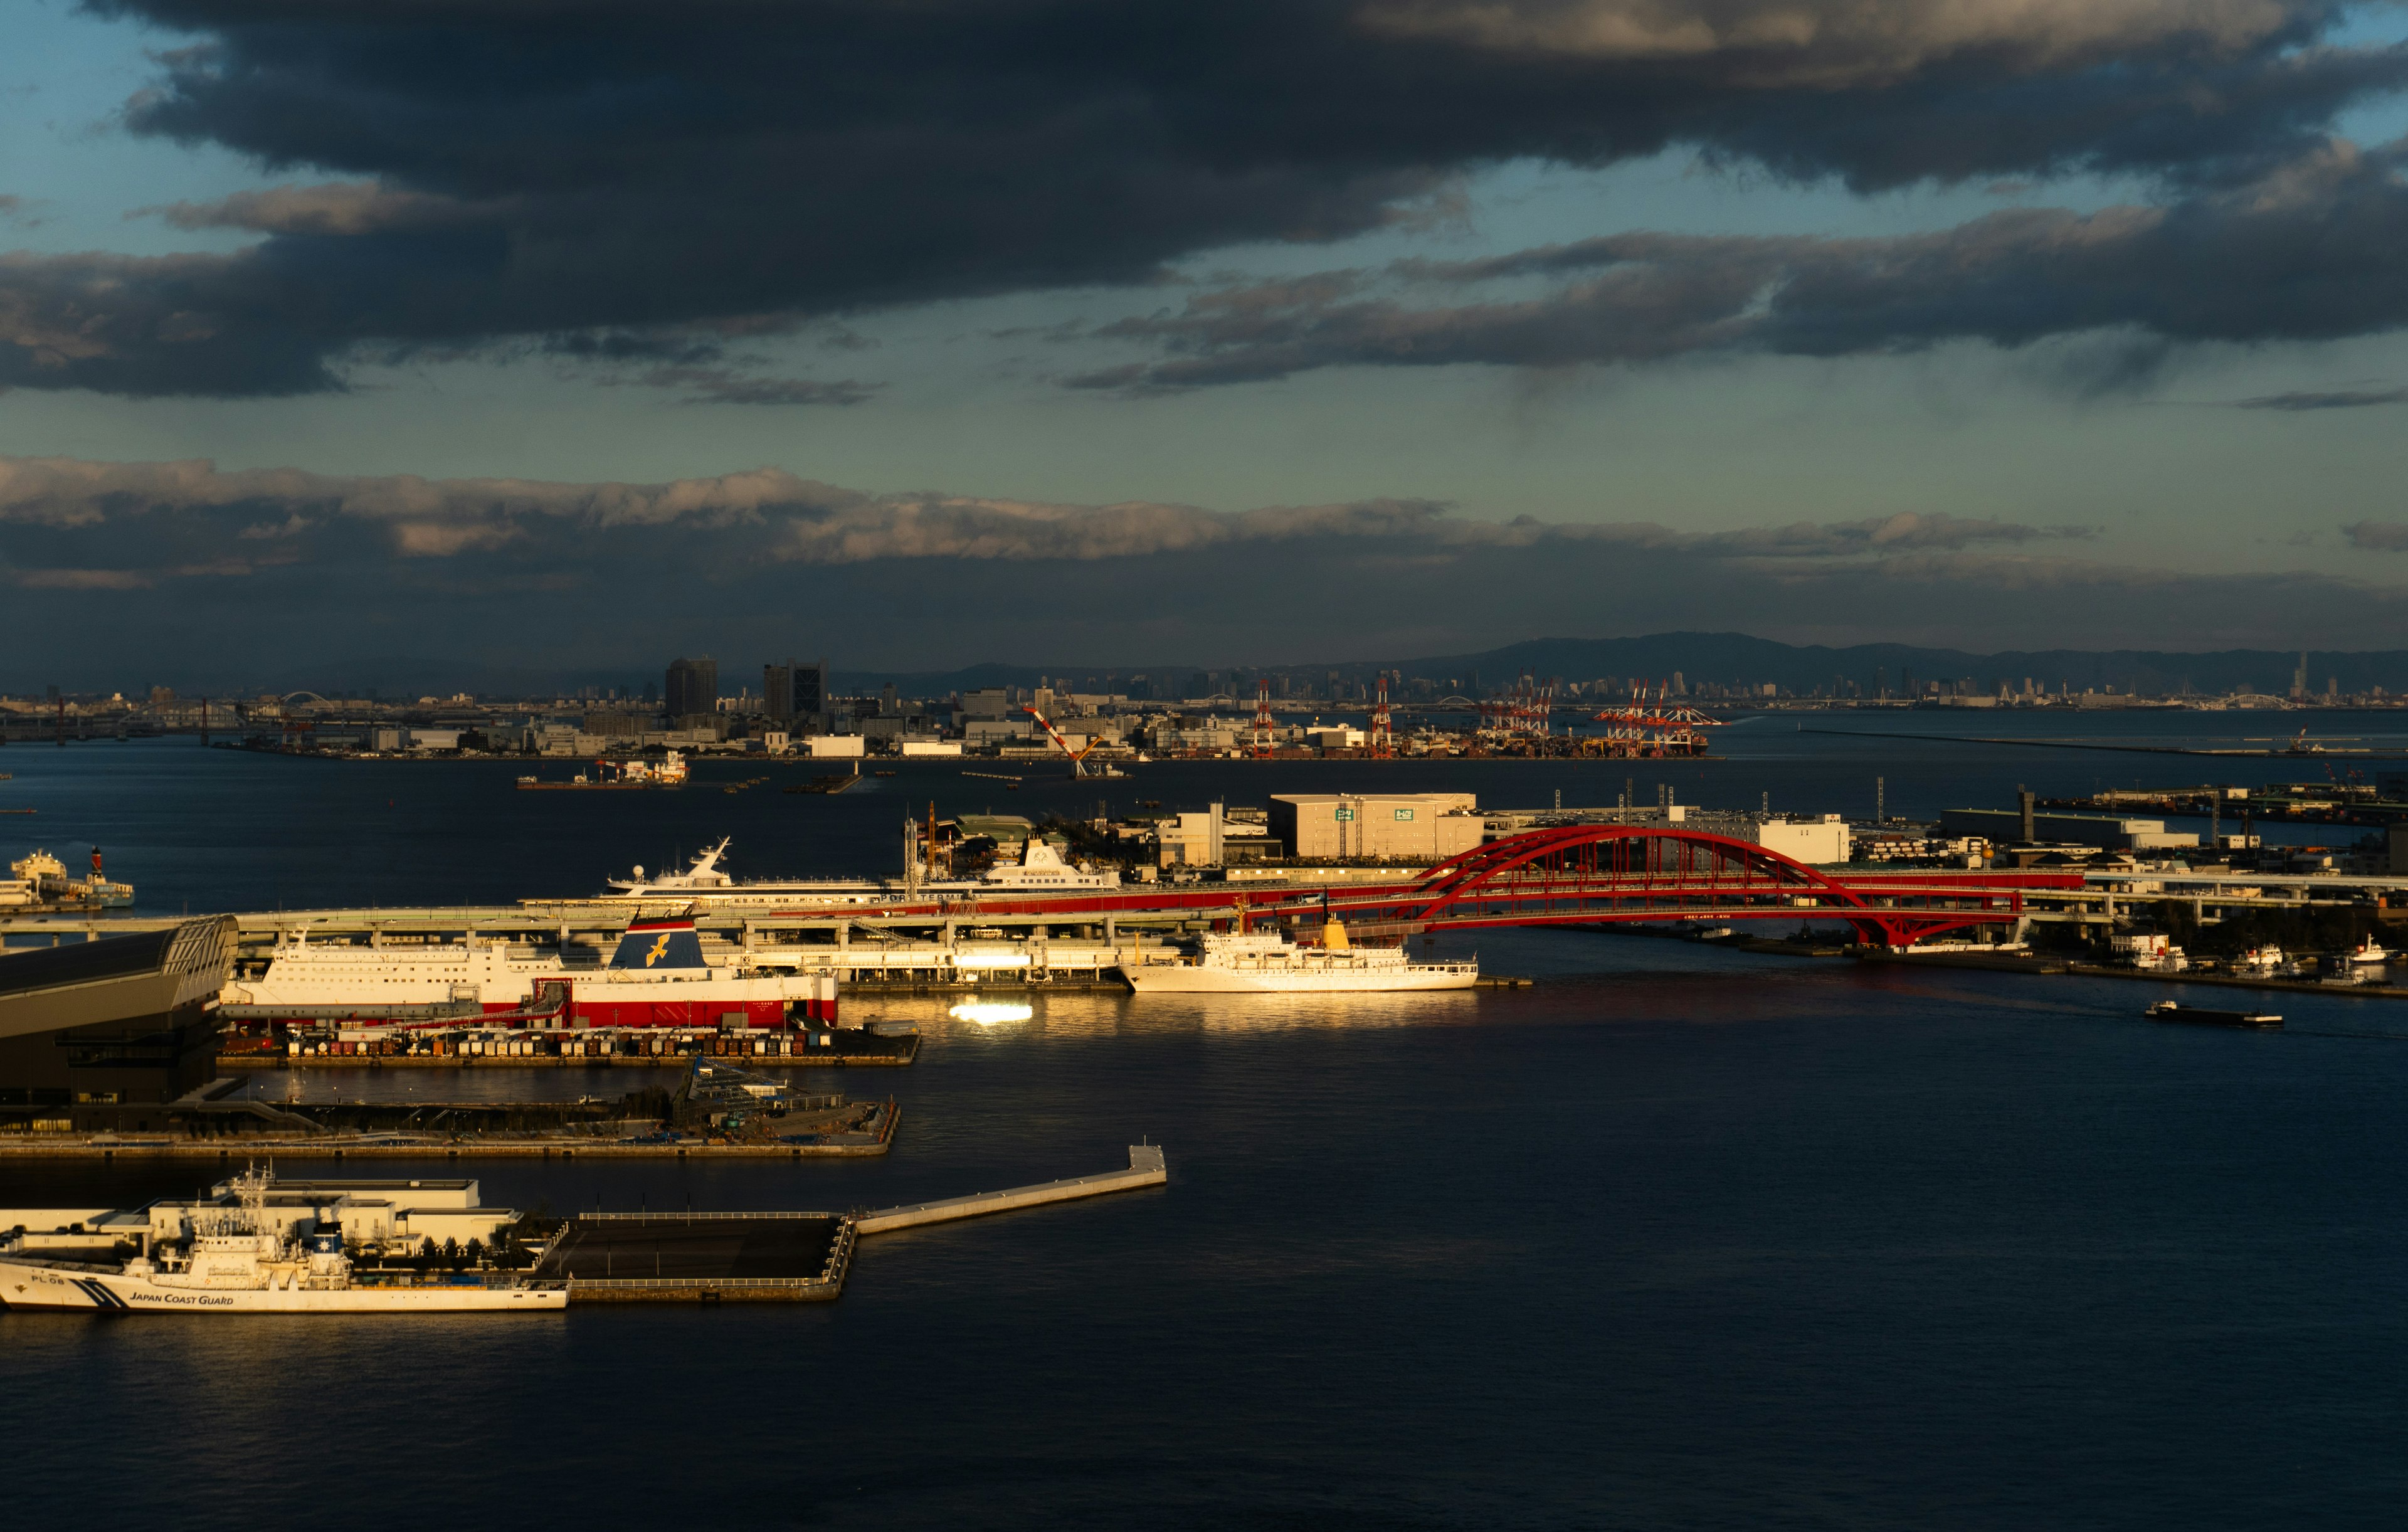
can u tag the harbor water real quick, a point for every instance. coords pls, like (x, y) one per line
(1675, 1237)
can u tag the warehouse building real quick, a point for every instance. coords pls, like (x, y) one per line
(2107, 832)
(1420, 827)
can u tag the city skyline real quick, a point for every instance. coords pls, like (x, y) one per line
(1723, 665)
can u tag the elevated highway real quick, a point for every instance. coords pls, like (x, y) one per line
(1565, 875)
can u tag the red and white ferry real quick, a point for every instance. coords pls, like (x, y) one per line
(656, 977)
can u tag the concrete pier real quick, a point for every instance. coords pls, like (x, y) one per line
(700, 1258)
(1146, 1168)
(773, 1257)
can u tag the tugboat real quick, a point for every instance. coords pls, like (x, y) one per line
(2266, 959)
(238, 1261)
(46, 881)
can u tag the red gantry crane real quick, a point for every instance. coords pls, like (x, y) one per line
(1523, 710)
(1645, 729)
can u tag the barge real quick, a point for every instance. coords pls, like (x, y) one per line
(2167, 1011)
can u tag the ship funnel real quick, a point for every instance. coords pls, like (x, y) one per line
(1333, 936)
(659, 944)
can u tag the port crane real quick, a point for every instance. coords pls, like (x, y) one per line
(1079, 767)
(1655, 728)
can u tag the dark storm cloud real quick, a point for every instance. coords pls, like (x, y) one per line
(2304, 253)
(2378, 536)
(279, 575)
(128, 523)
(719, 386)
(523, 167)
(2331, 399)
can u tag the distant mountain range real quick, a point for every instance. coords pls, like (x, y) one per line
(1736, 658)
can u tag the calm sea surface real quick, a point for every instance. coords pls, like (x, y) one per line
(1674, 1238)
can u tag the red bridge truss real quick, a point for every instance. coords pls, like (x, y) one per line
(1593, 874)
(1590, 873)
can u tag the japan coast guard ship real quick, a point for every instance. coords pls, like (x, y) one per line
(656, 977)
(241, 1260)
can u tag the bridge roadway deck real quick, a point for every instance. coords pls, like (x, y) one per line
(1085, 930)
(1137, 907)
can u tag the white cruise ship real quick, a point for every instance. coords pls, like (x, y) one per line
(1041, 870)
(241, 1260)
(1270, 964)
(657, 977)
(706, 883)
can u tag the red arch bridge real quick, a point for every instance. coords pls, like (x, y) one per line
(1587, 875)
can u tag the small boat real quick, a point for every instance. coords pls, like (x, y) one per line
(2167, 1011)
(2371, 951)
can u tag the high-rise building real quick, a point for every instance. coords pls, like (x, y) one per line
(795, 690)
(693, 687)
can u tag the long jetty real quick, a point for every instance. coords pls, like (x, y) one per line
(1146, 1168)
(782, 1257)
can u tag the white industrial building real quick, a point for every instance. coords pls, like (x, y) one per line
(1818, 843)
(1422, 827)
(404, 1214)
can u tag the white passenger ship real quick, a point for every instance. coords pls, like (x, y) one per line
(240, 1260)
(1041, 870)
(1270, 964)
(657, 977)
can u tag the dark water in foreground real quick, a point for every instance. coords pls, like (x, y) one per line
(1676, 1237)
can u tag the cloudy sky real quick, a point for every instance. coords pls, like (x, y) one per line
(575, 333)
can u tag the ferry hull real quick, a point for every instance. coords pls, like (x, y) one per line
(1191, 979)
(642, 1013)
(87, 1290)
(595, 999)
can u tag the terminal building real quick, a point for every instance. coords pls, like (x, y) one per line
(99, 1036)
